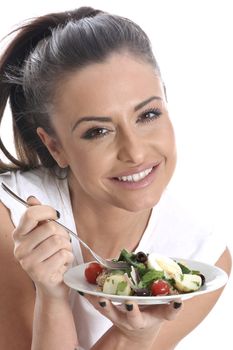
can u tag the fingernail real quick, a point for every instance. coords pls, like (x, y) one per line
(177, 305)
(80, 293)
(102, 303)
(58, 214)
(70, 240)
(129, 307)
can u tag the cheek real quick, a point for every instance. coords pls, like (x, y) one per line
(171, 154)
(165, 139)
(86, 164)
(167, 146)
(170, 143)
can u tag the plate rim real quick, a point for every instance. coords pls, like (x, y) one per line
(221, 275)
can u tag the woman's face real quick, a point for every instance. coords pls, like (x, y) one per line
(114, 133)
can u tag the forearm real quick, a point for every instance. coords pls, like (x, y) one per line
(53, 326)
(115, 339)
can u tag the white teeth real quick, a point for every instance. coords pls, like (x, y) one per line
(135, 177)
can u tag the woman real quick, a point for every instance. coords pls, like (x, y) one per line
(96, 149)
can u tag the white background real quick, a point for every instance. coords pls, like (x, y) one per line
(192, 40)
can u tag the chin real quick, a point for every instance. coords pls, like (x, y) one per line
(139, 204)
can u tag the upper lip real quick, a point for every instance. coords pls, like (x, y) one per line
(138, 169)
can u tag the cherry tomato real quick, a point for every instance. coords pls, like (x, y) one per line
(92, 272)
(160, 287)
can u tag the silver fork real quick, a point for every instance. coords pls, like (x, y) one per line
(107, 263)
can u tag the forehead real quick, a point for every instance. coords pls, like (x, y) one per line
(121, 80)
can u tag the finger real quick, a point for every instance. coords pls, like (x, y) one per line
(41, 233)
(45, 250)
(52, 269)
(168, 311)
(173, 309)
(130, 317)
(62, 261)
(134, 315)
(33, 201)
(32, 217)
(137, 319)
(106, 308)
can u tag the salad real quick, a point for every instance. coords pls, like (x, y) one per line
(147, 275)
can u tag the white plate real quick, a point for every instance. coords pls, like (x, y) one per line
(215, 279)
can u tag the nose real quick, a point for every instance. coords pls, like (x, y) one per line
(131, 148)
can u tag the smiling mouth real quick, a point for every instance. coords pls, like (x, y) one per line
(135, 177)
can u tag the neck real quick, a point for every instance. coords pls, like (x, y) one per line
(105, 228)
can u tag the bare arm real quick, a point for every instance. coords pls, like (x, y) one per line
(17, 293)
(53, 326)
(19, 300)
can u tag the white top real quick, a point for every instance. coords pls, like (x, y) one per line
(170, 231)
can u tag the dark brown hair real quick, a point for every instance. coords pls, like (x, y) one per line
(40, 55)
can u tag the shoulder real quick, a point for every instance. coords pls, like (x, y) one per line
(43, 184)
(17, 179)
(38, 182)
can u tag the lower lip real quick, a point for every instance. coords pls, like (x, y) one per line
(146, 181)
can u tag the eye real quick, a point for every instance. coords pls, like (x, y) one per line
(95, 133)
(149, 115)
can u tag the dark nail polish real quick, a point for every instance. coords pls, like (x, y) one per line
(102, 303)
(58, 214)
(177, 305)
(129, 307)
(80, 293)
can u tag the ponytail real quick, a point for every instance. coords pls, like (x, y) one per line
(30, 150)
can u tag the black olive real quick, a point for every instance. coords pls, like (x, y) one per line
(142, 292)
(141, 257)
(202, 279)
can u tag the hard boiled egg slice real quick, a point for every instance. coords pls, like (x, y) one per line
(188, 282)
(163, 263)
(116, 284)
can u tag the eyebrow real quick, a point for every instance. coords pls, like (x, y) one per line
(109, 119)
(142, 104)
